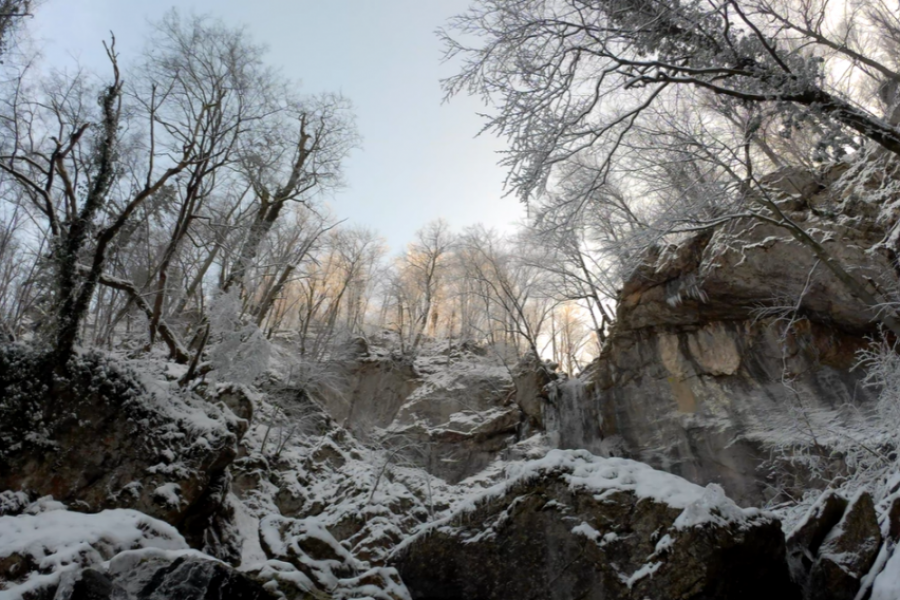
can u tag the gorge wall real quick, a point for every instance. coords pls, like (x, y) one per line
(735, 348)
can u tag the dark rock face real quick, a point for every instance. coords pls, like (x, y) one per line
(201, 579)
(214, 530)
(893, 516)
(185, 578)
(836, 545)
(702, 373)
(847, 553)
(588, 528)
(530, 379)
(106, 443)
(93, 585)
(804, 541)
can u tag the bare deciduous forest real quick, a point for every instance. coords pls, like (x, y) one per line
(678, 378)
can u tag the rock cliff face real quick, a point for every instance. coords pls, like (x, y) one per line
(461, 407)
(371, 389)
(731, 349)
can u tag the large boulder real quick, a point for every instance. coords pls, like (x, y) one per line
(49, 552)
(162, 576)
(573, 525)
(101, 439)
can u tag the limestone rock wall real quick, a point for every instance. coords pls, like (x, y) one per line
(734, 345)
(717, 403)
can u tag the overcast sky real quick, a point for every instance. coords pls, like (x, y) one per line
(420, 158)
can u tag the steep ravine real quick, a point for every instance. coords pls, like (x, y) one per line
(458, 475)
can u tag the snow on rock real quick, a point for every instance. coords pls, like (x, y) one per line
(129, 437)
(121, 554)
(573, 525)
(847, 553)
(13, 503)
(153, 574)
(887, 583)
(806, 537)
(585, 472)
(36, 551)
(168, 493)
(304, 540)
(452, 384)
(299, 464)
(304, 555)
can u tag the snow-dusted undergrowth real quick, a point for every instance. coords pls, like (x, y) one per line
(847, 448)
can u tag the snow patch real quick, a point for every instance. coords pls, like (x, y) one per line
(57, 542)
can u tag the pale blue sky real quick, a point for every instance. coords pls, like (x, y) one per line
(420, 159)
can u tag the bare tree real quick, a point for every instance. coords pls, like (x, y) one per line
(176, 177)
(203, 84)
(292, 162)
(573, 75)
(66, 162)
(11, 14)
(511, 286)
(425, 263)
(585, 91)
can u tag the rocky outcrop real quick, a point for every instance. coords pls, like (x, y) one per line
(747, 266)
(531, 379)
(735, 348)
(573, 525)
(458, 403)
(48, 552)
(369, 389)
(461, 447)
(804, 541)
(162, 577)
(716, 403)
(306, 560)
(366, 499)
(460, 408)
(101, 440)
(463, 414)
(835, 546)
